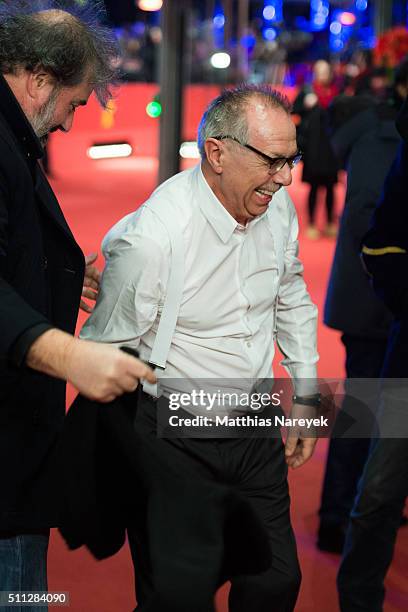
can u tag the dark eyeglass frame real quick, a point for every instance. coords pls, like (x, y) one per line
(275, 163)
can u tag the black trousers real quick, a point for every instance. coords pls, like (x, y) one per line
(373, 526)
(347, 456)
(256, 468)
(312, 201)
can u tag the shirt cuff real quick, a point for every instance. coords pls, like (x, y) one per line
(21, 346)
(304, 379)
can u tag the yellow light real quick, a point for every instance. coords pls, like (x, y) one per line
(150, 5)
(108, 115)
(347, 18)
(109, 151)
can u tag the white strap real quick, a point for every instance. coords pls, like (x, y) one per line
(172, 302)
(275, 226)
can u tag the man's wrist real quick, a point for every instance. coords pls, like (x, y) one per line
(50, 353)
(19, 351)
(308, 400)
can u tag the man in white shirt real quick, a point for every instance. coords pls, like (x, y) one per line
(242, 289)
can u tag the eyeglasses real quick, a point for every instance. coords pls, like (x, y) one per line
(275, 163)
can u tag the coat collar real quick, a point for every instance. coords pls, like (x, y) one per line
(31, 149)
(18, 123)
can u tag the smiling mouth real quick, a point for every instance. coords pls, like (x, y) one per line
(265, 192)
(264, 196)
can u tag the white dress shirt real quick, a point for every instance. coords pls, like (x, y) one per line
(225, 329)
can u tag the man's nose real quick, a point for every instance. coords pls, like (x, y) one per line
(67, 124)
(283, 176)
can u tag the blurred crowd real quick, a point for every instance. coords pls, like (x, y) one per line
(329, 98)
(257, 60)
(139, 46)
(278, 61)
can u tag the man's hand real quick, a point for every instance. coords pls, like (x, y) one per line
(98, 371)
(91, 282)
(301, 441)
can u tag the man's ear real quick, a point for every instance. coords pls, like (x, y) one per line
(39, 86)
(214, 154)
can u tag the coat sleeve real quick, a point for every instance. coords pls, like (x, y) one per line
(20, 324)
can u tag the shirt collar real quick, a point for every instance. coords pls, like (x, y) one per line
(18, 122)
(216, 214)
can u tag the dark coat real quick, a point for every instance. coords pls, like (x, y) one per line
(320, 165)
(388, 269)
(116, 473)
(41, 277)
(369, 142)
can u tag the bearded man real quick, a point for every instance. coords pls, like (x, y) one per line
(50, 62)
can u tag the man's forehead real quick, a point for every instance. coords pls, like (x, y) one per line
(259, 112)
(79, 93)
(271, 124)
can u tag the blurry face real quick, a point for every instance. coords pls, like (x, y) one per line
(321, 72)
(57, 112)
(246, 186)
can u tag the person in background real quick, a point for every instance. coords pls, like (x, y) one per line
(150, 53)
(383, 487)
(50, 62)
(320, 164)
(367, 140)
(358, 72)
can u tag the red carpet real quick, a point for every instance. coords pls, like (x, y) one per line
(93, 197)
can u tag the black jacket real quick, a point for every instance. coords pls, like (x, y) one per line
(41, 277)
(385, 254)
(116, 472)
(369, 141)
(320, 165)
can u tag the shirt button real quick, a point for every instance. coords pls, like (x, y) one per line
(249, 344)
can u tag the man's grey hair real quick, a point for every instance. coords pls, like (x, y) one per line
(65, 39)
(226, 115)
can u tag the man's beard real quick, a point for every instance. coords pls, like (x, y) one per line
(42, 123)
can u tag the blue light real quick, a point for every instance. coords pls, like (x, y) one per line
(319, 13)
(338, 44)
(219, 20)
(269, 12)
(273, 10)
(248, 42)
(335, 27)
(269, 34)
(138, 28)
(361, 5)
(320, 19)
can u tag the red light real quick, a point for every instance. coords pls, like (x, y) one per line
(347, 19)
